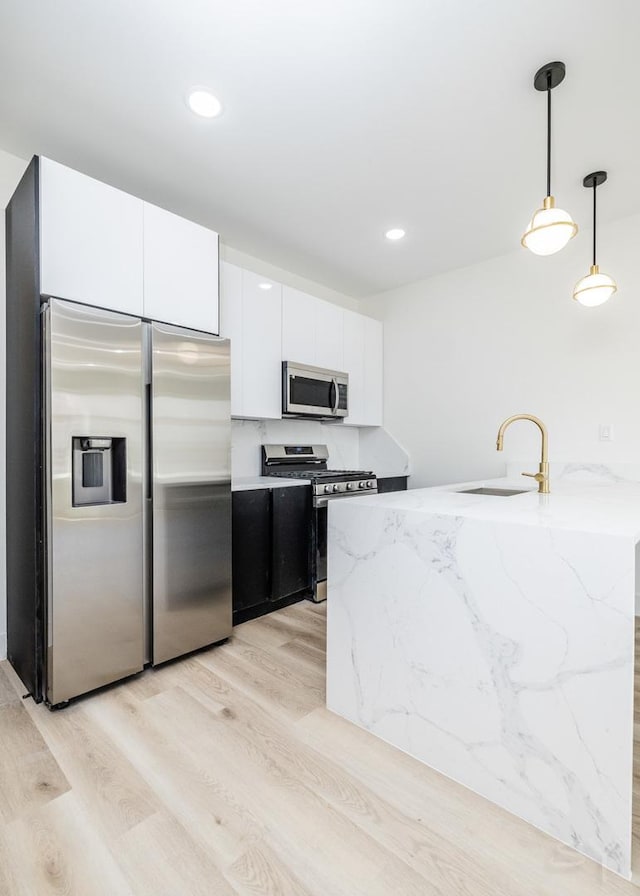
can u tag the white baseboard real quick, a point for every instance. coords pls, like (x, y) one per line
(3, 644)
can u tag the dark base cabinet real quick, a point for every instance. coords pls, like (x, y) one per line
(392, 484)
(271, 544)
(251, 549)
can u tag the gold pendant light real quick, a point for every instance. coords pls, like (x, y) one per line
(550, 228)
(595, 288)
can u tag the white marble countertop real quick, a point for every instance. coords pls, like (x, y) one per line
(595, 506)
(248, 483)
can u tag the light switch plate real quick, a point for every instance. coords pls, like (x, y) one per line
(606, 432)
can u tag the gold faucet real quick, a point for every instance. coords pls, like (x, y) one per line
(542, 477)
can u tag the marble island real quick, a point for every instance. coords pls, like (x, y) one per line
(492, 638)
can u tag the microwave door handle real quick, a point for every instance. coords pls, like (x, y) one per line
(336, 400)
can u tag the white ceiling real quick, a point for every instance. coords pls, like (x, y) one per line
(342, 118)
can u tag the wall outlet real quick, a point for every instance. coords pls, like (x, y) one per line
(606, 432)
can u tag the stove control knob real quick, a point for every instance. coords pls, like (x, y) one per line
(327, 489)
(362, 485)
(370, 483)
(350, 485)
(336, 488)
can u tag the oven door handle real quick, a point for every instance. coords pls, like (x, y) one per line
(336, 400)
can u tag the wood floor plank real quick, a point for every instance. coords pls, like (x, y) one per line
(256, 632)
(12, 877)
(406, 837)
(191, 788)
(281, 695)
(114, 795)
(281, 627)
(7, 690)
(160, 858)
(55, 850)
(258, 872)
(306, 654)
(29, 773)
(302, 816)
(278, 664)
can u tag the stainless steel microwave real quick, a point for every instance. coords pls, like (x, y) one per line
(314, 392)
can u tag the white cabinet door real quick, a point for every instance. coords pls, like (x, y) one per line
(180, 271)
(329, 326)
(231, 327)
(354, 366)
(261, 347)
(298, 326)
(373, 371)
(90, 241)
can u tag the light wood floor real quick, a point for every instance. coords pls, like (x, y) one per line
(224, 774)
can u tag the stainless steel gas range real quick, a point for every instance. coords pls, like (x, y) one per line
(309, 462)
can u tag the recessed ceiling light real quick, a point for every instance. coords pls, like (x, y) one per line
(204, 103)
(265, 285)
(396, 233)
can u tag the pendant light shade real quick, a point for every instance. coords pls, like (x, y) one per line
(595, 288)
(550, 228)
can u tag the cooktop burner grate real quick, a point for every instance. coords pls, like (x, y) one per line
(322, 474)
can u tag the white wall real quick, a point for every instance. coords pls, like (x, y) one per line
(468, 348)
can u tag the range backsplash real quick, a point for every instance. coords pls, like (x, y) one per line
(248, 435)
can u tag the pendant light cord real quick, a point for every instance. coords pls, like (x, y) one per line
(594, 221)
(548, 133)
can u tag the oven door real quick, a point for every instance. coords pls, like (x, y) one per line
(314, 391)
(319, 554)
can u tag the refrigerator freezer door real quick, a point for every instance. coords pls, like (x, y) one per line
(94, 398)
(191, 449)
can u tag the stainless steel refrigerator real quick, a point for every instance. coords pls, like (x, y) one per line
(136, 495)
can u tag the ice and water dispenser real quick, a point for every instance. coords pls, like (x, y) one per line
(99, 471)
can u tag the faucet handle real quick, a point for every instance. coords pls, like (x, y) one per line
(539, 477)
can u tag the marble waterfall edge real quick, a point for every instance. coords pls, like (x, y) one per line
(500, 655)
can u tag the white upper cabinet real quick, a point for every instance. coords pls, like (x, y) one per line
(251, 317)
(298, 326)
(354, 366)
(261, 347)
(231, 327)
(101, 246)
(91, 239)
(329, 336)
(180, 271)
(363, 361)
(312, 330)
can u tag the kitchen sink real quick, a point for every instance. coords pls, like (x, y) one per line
(496, 492)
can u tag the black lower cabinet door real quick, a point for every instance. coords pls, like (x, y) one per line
(251, 525)
(290, 541)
